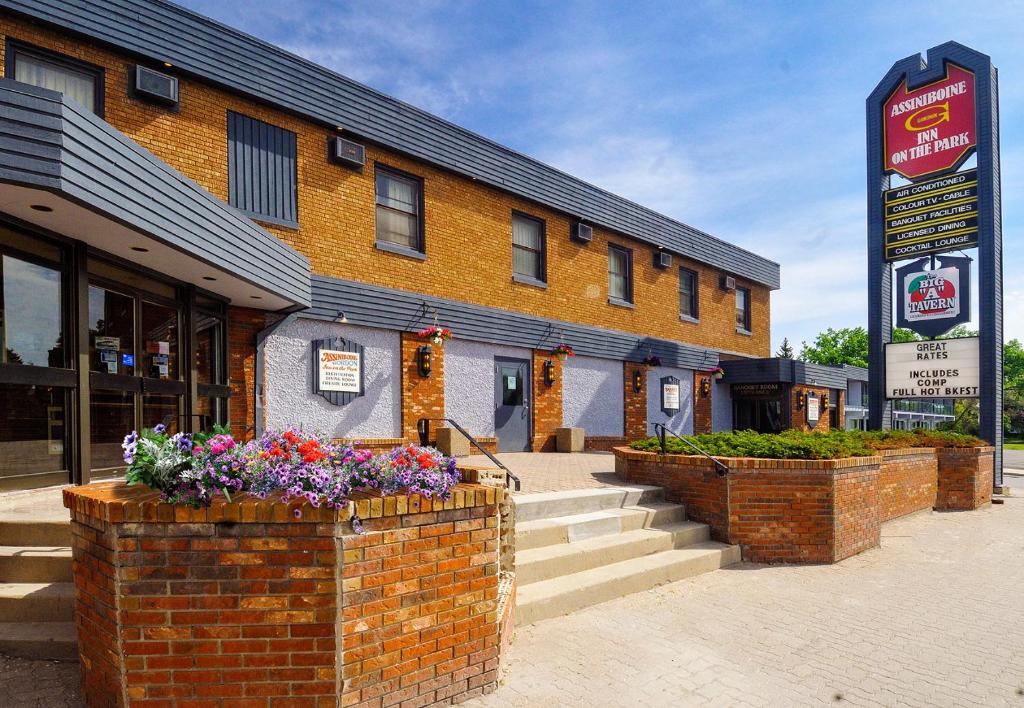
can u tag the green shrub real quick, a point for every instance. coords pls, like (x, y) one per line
(797, 445)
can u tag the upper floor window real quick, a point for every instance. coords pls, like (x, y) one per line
(743, 309)
(688, 293)
(76, 79)
(262, 170)
(620, 274)
(399, 199)
(528, 248)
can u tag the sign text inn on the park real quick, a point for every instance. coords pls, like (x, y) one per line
(925, 120)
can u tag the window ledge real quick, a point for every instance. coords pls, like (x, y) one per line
(527, 280)
(269, 220)
(621, 303)
(687, 318)
(744, 332)
(400, 250)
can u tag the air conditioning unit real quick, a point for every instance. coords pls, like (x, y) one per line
(662, 259)
(346, 152)
(155, 86)
(727, 282)
(581, 233)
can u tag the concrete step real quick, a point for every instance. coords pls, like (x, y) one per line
(539, 564)
(37, 602)
(577, 527)
(35, 533)
(39, 640)
(568, 593)
(545, 505)
(35, 564)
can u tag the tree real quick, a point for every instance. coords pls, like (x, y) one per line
(835, 347)
(785, 350)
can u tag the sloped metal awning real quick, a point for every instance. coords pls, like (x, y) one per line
(66, 170)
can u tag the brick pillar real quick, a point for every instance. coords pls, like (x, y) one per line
(635, 403)
(799, 415)
(702, 415)
(547, 402)
(243, 326)
(422, 397)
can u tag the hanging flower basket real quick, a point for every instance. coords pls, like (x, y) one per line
(435, 335)
(563, 351)
(651, 361)
(718, 372)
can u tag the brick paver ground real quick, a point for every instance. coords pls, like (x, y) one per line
(557, 471)
(934, 617)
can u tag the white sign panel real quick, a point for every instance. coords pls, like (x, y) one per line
(670, 396)
(931, 295)
(813, 409)
(339, 371)
(945, 368)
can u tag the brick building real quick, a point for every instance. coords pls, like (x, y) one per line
(188, 215)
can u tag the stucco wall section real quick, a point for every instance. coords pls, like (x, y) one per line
(682, 422)
(592, 395)
(469, 382)
(289, 399)
(721, 406)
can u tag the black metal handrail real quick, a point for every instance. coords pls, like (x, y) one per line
(423, 427)
(660, 430)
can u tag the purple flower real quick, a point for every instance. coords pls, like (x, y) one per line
(159, 428)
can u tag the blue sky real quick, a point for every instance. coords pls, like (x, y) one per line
(745, 120)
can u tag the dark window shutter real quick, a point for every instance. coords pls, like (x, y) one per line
(262, 170)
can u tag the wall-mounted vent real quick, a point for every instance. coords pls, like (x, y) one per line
(155, 86)
(581, 233)
(662, 259)
(346, 152)
(727, 282)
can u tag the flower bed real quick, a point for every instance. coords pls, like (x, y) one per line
(194, 469)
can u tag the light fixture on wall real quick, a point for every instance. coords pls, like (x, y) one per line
(801, 401)
(423, 357)
(824, 400)
(549, 372)
(705, 387)
(638, 380)
(340, 317)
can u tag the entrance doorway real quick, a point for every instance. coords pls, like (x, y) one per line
(512, 404)
(761, 415)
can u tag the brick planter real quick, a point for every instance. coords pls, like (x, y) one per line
(793, 511)
(247, 604)
(965, 478)
(907, 481)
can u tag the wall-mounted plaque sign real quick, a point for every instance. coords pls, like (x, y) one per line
(337, 370)
(670, 395)
(813, 409)
(943, 368)
(931, 302)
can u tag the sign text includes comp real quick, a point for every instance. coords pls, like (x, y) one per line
(945, 368)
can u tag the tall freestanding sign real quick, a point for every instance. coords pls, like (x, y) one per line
(925, 120)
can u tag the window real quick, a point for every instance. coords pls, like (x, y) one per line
(743, 309)
(75, 79)
(620, 275)
(528, 260)
(688, 293)
(399, 199)
(261, 170)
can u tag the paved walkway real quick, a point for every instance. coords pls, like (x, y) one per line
(933, 618)
(557, 471)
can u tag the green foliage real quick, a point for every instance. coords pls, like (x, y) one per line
(797, 445)
(835, 347)
(785, 349)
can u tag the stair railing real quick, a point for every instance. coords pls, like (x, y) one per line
(423, 428)
(661, 431)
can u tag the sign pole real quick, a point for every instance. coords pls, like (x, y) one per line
(929, 131)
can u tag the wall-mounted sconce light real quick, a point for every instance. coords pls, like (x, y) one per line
(705, 387)
(824, 400)
(549, 372)
(638, 380)
(801, 401)
(423, 356)
(340, 317)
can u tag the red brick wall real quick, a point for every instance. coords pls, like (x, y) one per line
(422, 397)
(965, 477)
(907, 481)
(702, 405)
(635, 406)
(603, 443)
(239, 604)
(243, 326)
(793, 511)
(547, 402)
